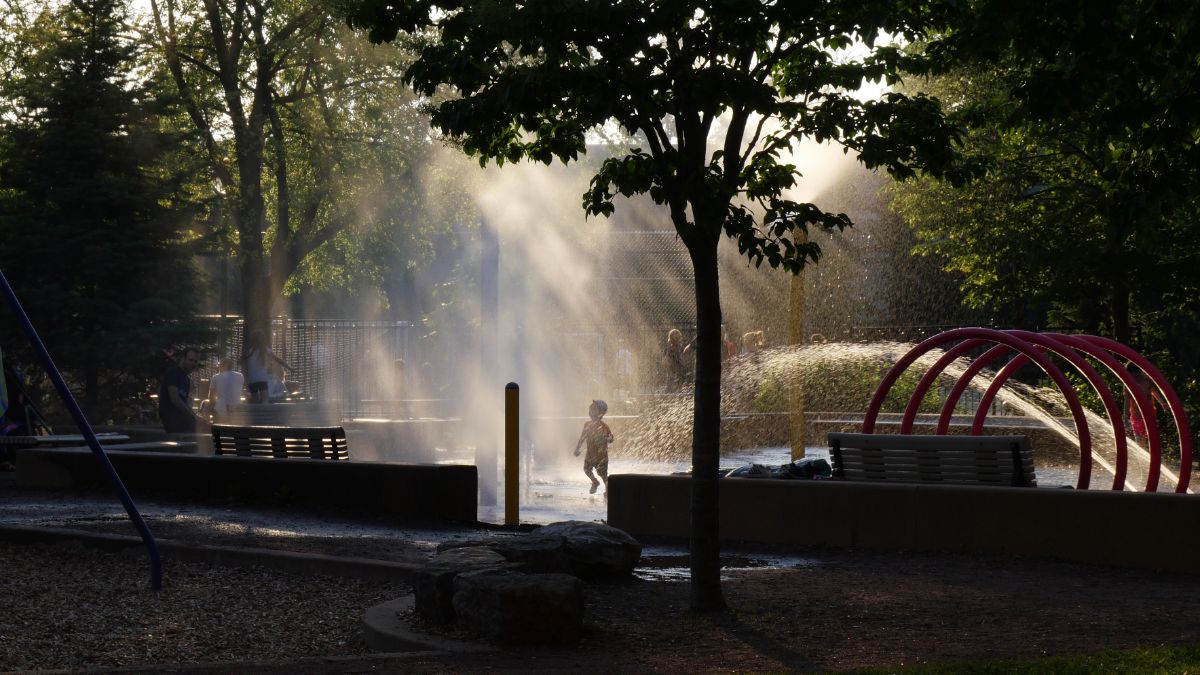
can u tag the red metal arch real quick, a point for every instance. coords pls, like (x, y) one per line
(1064, 350)
(930, 376)
(1168, 392)
(960, 386)
(1118, 369)
(1012, 341)
(1067, 346)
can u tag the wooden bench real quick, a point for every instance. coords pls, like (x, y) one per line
(280, 442)
(957, 460)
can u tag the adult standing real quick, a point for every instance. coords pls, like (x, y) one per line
(225, 388)
(174, 396)
(673, 356)
(257, 358)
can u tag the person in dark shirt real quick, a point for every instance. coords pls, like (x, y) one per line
(174, 396)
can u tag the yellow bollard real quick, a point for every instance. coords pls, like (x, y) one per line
(512, 450)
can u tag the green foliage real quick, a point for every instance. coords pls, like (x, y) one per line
(772, 396)
(312, 143)
(1088, 215)
(93, 206)
(533, 79)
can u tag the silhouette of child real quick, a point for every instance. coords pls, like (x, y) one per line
(597, 435)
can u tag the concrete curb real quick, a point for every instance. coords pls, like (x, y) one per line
(386, 632)
(308, 563)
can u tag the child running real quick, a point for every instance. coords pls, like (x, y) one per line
(597, 435)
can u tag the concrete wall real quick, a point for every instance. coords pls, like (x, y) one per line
(1153, 531)
(403, 492)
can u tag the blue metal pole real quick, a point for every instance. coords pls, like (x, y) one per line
(81, 421)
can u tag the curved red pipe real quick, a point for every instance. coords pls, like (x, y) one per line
(1118, 369)
(1089, 373)
(969, 374)
(927, 380)
(893, 374)
(1014, 364)
(1173, 402)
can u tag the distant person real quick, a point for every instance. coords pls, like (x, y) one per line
(277, 390)
(623, 365)
(257, 360)
(225, 389)
(597, 436)
(673, 359)
(729, 350)
(174, 396)
(752, 342)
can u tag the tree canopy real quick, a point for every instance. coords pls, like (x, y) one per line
(93, 213)
(715, 94)
(1087, 217)
(310, 140)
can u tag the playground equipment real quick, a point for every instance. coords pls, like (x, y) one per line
(1034, 347)
(60, 385)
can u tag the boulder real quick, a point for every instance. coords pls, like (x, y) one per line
(433, 584)
(535, 553)
(591, 550)
(520, 609)
(594, 549)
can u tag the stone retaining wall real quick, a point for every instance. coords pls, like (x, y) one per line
(1152, 531)
(409, 492)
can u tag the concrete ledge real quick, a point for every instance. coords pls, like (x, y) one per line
(1151, 531)
(411, 492)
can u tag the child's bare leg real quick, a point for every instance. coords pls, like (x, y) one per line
(587, 468)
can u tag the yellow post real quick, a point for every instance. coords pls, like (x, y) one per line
(512, 452)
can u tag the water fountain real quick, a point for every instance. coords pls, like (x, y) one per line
(567, 290)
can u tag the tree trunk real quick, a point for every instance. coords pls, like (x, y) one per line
(706, 431)
(256, 298)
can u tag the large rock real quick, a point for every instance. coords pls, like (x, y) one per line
(591, 550)
(433, 584)
(520, 609)
(594, 549)
(535, 553)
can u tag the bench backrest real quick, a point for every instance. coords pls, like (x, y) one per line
(281, 442)
(907, 458)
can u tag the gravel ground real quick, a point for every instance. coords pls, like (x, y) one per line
(74, 608)
(69, 607)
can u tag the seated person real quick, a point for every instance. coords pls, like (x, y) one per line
(277, 389)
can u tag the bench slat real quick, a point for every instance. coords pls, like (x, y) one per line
(971, 460)
(281, 442)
